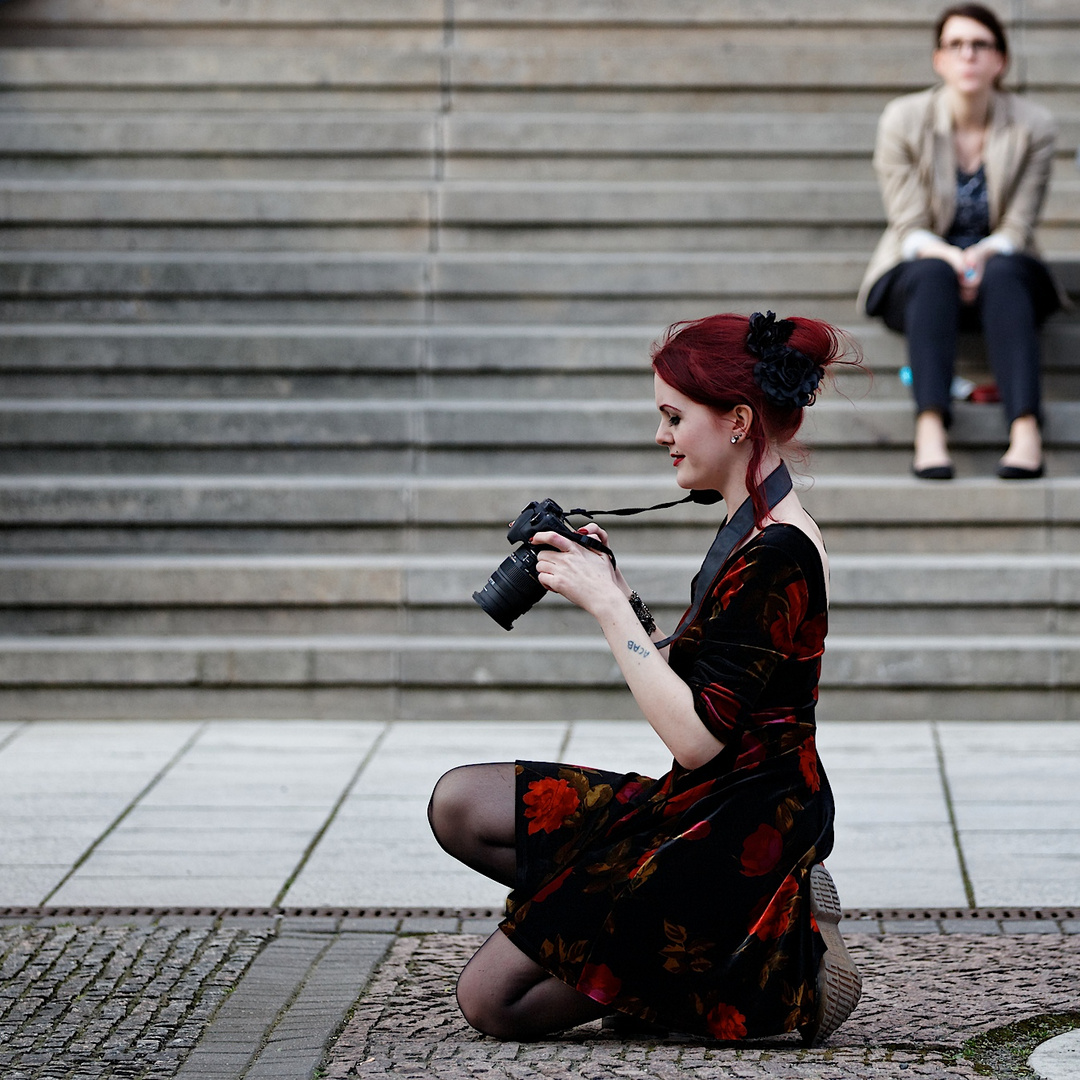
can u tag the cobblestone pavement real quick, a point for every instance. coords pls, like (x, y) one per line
(925, 994)
(105, 999)
(176, 997)
(341, 996)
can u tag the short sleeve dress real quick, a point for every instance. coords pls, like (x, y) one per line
(684, 900)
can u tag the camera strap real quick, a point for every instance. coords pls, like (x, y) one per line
(734, 530)
(706, 497)
(731, 534)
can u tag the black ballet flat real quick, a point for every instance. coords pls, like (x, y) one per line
(1018, 472)
(934, 472)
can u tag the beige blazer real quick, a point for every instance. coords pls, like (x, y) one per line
(916, 168)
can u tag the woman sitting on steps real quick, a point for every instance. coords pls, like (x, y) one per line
(963, 170)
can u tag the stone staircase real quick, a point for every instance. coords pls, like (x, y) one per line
(302, 303)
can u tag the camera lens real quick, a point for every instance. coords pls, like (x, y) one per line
(512, 589)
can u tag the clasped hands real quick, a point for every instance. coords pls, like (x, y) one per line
(969, 264)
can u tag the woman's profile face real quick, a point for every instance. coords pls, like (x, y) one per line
(967, 59)
(697, 437)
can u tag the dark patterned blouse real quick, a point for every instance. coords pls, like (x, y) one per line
(971, 222)
(684, 901)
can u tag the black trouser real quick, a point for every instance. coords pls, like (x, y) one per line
(921, 299)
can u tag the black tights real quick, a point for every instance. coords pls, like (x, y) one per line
(501, 992)
(471, 814)
(921, 299)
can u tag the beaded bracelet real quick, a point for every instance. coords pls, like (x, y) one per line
(641, 610)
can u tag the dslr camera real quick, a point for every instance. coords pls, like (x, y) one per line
(514, 587)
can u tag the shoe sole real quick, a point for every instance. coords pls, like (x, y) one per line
(839, 985)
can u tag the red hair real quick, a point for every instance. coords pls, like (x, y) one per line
(707, 360)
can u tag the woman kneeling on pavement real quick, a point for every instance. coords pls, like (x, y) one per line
(695, 902)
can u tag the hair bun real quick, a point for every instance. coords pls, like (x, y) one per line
(787, 377)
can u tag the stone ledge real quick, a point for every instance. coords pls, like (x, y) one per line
(1032, 662)
(584, 425)
(926, 581)
(492, 350)
(229, 134)
(490, 502)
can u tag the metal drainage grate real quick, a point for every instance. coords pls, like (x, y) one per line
(254, 912)
(1010, 914)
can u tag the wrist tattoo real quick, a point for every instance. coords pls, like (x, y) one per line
(641, 650)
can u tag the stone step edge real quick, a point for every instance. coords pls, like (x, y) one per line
(131, 562)
(437, 351)
(632, 13)
(447, 581)
(140, 260)
(488, 663)
(62, 502)
(405, 421)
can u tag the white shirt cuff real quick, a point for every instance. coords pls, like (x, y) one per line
(1000, 243)
(915, 240)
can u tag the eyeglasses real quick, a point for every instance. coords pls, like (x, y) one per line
(979, 47)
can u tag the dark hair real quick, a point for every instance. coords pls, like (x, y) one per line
(707, 360)
(981, 15)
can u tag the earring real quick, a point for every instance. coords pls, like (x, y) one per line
(734, 439)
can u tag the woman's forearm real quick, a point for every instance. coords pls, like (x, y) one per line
(665, 700)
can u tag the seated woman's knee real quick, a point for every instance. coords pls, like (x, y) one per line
(936, 273)
(1002, 268)
(480, 1004)
(448, 804)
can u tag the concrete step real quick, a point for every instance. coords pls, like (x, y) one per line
(446, 437)
(113, 14)
(235, 145)
(404, 288)
(222, 135)
(346, 361)
(284, 145)
(127, 286)
(411, 513)
(410, 677)
(220, 67)
(684, 14)
(510, 426)
(470, 464)
(421, 361)
(561, 56)
(635, 216)
(269, 596)
(494, 137)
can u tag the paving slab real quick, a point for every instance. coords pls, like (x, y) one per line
(333, 812)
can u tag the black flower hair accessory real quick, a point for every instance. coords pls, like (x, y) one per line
(786, 376)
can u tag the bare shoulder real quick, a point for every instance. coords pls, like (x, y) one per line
(789, 511)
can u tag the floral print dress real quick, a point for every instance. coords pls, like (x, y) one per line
(684, 900)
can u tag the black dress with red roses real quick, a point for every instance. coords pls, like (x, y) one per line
(684, 901)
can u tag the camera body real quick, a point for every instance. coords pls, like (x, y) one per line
(514, 587)
(545, 516)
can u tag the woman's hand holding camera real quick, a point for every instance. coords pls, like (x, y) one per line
(584, 576)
